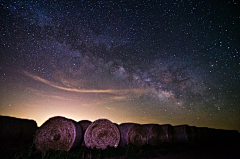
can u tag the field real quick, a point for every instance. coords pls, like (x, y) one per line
(164, 151)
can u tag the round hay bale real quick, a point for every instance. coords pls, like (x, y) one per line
(29, 128)
(182, 133)
(58, 133)
(169, 133)
(16, 130)
(223, 134)
(207, 135)
(132, 133)
(200, 132)
(204, 135)
(102, 133)
(233, 135)
(193, 134)
(214, 135)
(226, 135)
(156, 135)
(84, 124)
(11, 129)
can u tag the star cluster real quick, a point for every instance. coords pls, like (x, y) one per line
(173, 62)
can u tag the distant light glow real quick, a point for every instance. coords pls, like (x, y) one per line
(127, 61)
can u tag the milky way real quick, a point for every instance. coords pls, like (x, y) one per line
(173, 62)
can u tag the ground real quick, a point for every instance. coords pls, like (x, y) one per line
(218, 150)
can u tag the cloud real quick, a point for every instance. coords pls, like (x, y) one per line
(109, 91)
(115, 94)
(110, 108)
(119, 98)
(48, 95)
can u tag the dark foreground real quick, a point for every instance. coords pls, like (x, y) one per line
(220, 150)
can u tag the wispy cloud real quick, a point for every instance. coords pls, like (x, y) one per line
(48, 95)
(115, 94)
(110, 91)
(119, 98)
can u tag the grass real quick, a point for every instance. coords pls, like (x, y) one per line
(28, 151)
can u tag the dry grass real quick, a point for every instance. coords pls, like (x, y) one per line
(134, 134)
(84, 124)
(169, 133)
(16, 130)
(58, 133)
(182, 133)
(193, 134)
(156, 135)
(102, 133)
(203, 133)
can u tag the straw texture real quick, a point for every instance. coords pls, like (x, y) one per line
(102, 133)
(58, 133)
(169, 133)
(84, 124)
(14, 130)
(132, 133)
(193, 134)
(182, 133)
(156, 135)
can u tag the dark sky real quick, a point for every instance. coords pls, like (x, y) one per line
(166, 62)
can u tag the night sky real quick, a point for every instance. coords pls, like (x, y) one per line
(164, 62)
